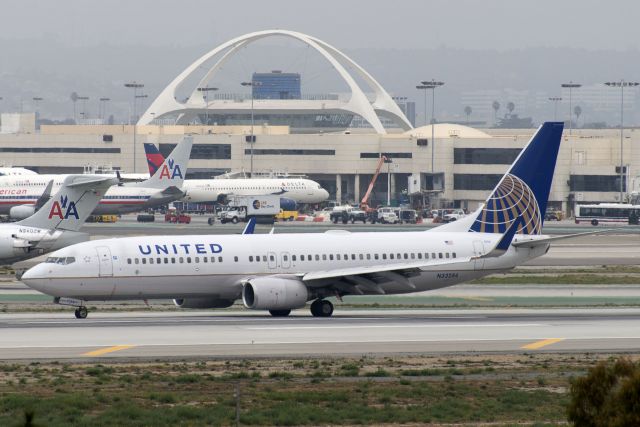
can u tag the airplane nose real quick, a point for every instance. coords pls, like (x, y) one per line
(35, 278)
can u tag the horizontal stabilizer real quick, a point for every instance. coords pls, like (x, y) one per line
(531, 243)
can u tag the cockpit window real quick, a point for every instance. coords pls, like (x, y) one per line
(60, 260)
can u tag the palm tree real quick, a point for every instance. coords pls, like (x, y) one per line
(467, 111)
(511, 106)
(496, 107)
(577, 110)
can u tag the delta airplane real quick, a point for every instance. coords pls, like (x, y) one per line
(281, 272)
(18, 194)
(212, 190)
(56, 224)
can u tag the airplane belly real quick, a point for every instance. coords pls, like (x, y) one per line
(97, 289)
(160, 287)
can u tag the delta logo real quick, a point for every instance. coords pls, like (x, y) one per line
(170, 171)
(63, 209)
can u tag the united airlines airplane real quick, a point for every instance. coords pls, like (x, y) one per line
(57, 222)
(18, 194)
(211, 190)
(281, 272)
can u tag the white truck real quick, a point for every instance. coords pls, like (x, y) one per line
(242, 208)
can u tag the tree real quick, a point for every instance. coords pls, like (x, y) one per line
(608, 396)
(467, 111)
(511, 106)
(496, 107)
(577, 110)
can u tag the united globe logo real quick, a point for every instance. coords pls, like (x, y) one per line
(512, 199)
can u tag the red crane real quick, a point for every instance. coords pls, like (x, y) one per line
(364, 204)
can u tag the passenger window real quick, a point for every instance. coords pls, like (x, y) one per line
(173, 260)
(447, 254)
(338, 258)
(353, 256)
(406, 255)
(368, 256)
(285, 258)
(390, 256)
(144, 260)
(250, 258)
(166, 260)
(440, 255)
(293, 257)
(235, 259)
(361, 256)
(128, 260)
(420, 255)
(197, 260)
(181, 260)
(188, 260)
(413, 256)
(137, 261)
(151, 260)
(272, 258)
(301, 257)
(454, 254)
(213, 259)
(219, 259)
(330, 257)
(433, 255)
(399, 256)
(317, 257)
(324, 257)
(264, 258)
(375, 256)
(384, 256)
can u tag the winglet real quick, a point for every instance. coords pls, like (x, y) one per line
(250, 227)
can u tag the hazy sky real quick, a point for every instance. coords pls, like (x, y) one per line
(474, 24)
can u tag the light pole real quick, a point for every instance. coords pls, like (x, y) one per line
(431, 85)
(555, 100)
(36, 100)
(622, 84)
(84, 100)
(135, 86)
(204, 91)
(571, 85)
(252, 138)
(388, 161)
(103, 107)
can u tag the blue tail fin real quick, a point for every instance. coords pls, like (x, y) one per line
(524, 190)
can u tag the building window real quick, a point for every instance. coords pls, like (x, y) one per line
(604, 183)
(387, 155)
(470, 181)
(288, 152)
(202, 151)
(485, 156)
(70, 150)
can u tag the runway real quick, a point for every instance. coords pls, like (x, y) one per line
(190, 335)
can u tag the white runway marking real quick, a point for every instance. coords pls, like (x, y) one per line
(446, 325)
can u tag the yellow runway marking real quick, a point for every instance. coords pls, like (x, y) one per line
(102, 351)
(539, 344)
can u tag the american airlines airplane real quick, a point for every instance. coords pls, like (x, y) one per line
(18, 194)
(211, 190)
(58, 222)
(281, 272)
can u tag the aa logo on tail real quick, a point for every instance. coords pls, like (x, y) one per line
(63, 209)
(171, 171)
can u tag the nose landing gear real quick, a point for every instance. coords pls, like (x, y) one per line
(81, 312)
(321, 308)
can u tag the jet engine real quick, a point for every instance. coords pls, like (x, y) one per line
(11, 247)
(274, 293)
(202, 303)
(21, 212)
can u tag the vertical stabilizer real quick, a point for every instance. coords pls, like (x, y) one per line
(173, 170)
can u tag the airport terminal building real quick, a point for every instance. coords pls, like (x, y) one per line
(467, 163)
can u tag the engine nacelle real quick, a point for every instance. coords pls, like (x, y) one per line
(274, 293)
(21, 212)
(11, 247)
(202, 303)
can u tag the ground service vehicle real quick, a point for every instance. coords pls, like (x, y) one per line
(453, 215)
(609, 213)
(388, 215)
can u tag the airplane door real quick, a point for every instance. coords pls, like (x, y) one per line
(285, 260)
(478, 250)
(272, 261)
(105, 264)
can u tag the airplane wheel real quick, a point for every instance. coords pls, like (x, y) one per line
(321, 308)
(280, 313)
(81, 313)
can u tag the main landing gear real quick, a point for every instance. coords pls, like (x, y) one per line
(321, 308)
(81, 312)
(279, 313)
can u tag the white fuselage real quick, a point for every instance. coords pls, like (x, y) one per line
(25, 190)
(216, 266)
(208, 190)
(18, 242)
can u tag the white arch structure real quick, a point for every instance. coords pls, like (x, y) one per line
(382, 104)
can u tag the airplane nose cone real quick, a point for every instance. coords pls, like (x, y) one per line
(325, 194)
(35, 278)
